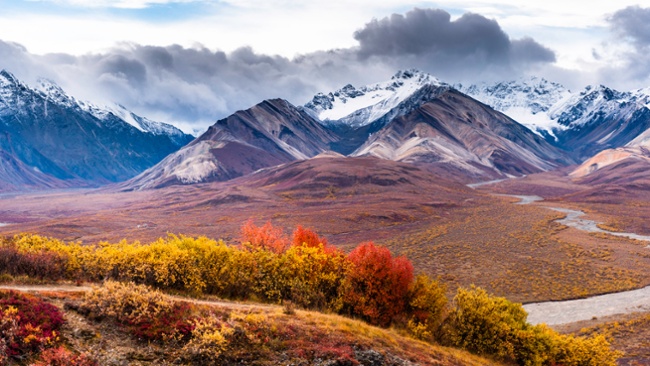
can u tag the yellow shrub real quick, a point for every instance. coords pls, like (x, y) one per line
(208, 341)
(495, 326)
(578, 351)
(426, 307)
(126, 301)
(313, 276)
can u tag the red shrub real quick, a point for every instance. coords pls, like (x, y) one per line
(62, 357)
(38, 265)
(264, 237)
(378, 284)
(27, 324)
(302, 236)
(34, 311)
(175, 322)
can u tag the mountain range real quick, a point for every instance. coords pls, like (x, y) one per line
(582, 124)
(412, 118)
(49, 139)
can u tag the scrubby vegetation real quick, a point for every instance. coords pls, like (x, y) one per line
(369, 283)
(489, 325)
(265, 335)
(29, 327)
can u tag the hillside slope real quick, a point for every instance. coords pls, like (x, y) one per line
(271, 133)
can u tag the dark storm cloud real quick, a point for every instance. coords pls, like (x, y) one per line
(470, 43)
(198, 85)
(527, 50)
(431, 31)
(124, 67)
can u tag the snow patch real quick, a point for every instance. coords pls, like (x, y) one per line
(362, 106)
(529, 101)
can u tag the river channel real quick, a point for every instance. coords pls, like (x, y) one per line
(570, 311)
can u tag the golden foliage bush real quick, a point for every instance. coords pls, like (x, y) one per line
(208, 341)
(427, 305)
(126, 301)
(489, 325)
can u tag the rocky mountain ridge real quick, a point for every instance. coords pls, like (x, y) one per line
(45, 130)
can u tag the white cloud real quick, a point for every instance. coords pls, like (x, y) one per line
(120, 4)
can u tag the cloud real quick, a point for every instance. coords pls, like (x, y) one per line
(633, 23)
(194, 86)
(630, 65)
(471, 43)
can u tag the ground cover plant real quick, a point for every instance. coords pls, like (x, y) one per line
(30, 329)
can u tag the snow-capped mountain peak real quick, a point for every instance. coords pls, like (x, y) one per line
(581, 108)
(7, 78)
(55, 93)
(106, 113)
(360, 106)
(529, 101)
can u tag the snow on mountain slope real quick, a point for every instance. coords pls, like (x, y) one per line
(50, 132)
(581, 108)
(452, 129)
(358, 107)
(106, 113)
(529, 101)
(583, 124)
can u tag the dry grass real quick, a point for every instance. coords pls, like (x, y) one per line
(520, 252)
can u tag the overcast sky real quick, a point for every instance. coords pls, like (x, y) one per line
(191, 62)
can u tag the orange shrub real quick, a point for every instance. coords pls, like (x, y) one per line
(264, 237)
(62, 357)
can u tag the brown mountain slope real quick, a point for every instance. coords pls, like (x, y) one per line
(455, 130)
(270, 133)
(328, 175)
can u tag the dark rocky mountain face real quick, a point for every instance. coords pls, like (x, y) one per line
(271, 133)
(17, 176)
(55, 136)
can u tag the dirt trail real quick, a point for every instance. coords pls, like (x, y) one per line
(46, 288)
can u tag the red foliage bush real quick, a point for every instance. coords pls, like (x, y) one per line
(177, 321)
(34, 311)
(264, 237)
(28, 323)
(377, 284)
(302, 236)
(62, 357)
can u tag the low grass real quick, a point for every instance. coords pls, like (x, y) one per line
(520, 252)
